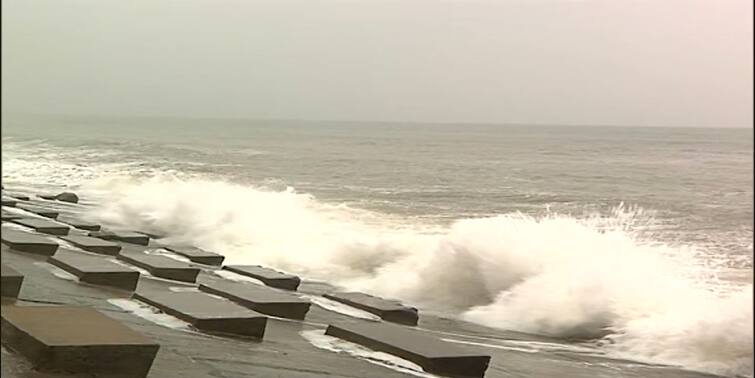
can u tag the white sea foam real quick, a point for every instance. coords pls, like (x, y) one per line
(227, 274)
(320, 340)
(578, 278)
(528, 346)
(168, 254)
(341, 308)
(150, 313)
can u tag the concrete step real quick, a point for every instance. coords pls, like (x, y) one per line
(43, 225)
(11, 281)
(78, 223)
(18, 196)
(76, 340)
(8, 216)
(93, 244)
(386, 309)
(269, 276)
(161, 266)
(95, 270)
(198, 255)
(259, 298)
(206, 312)
(47, 213)
(122, 236)
(28, 242)
(434, 355)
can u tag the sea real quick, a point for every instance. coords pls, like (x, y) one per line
(637, 240)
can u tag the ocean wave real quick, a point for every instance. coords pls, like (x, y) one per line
(601, 278)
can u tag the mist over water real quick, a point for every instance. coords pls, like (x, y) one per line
(637, 240)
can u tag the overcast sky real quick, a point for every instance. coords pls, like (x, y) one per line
(656, 62)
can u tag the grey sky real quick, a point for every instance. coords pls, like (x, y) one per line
(659, 62)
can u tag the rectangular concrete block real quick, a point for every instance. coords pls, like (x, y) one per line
(386, 309)
(122, 236)
(95, 270)
(269, 276)
(76, 340)
(93, 244)
(151, 235)
(47, 213)
(434, 355)
(11, 281)
(8, 216)
(27, 242)
(259, 298)
(161, 266)
(78, 223)
(18, 196)
(8, 201)
(206, 312)
(43, 225)
(198, 255)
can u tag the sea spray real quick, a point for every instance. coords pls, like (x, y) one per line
(587, 278)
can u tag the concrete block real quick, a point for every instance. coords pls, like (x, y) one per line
(78, 223)
(8, 201)
(161, 266)
(434, 355)
(76, 340)
(95, 270)
(18, 196)
(269, 276)
(11, 281)
(386, 309)
(43, 225)
(151, 235)
(47, 213)
(259, 298)
(198, 255)
(27, 242)
(122, 236)
(93, 244)
(206, 312)
(8, 216)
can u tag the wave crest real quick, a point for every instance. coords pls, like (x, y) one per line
(589, 278)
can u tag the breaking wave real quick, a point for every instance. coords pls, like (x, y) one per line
(598, 278)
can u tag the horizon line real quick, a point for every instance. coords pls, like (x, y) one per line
(345, 121)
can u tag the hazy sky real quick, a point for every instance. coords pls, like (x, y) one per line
(657, 62)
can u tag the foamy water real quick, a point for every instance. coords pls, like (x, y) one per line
(623, 279)
(556, 275)
(150, 313)
(319, 339)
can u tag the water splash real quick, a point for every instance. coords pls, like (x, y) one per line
(599, 276)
